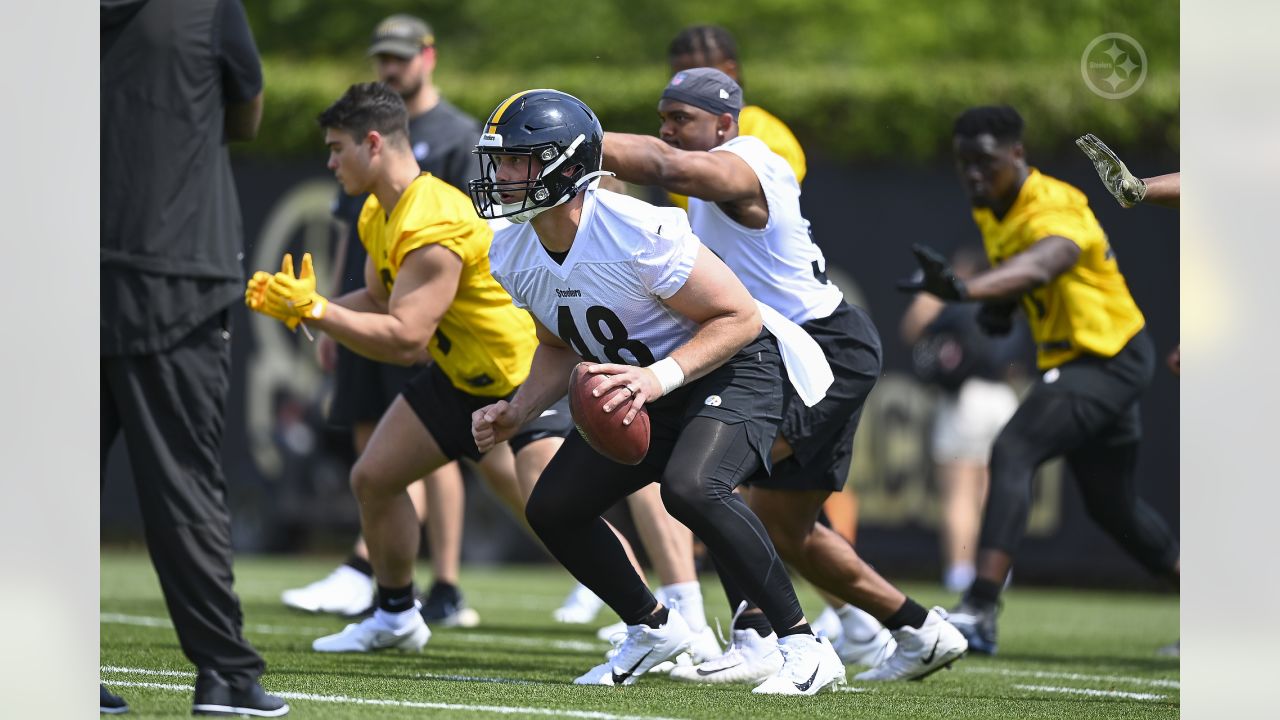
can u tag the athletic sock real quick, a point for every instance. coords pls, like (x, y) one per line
(801, 629)
(686, 599)
(857, 624)
(395, 600)
(754, 621)
(359, 564)
(983, 592)
(911, 613)
(657, 618)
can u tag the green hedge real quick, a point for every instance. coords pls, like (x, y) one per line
(902, 113)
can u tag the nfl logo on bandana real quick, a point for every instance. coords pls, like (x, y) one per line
(679, 78)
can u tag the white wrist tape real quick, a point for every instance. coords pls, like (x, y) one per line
(669, 374)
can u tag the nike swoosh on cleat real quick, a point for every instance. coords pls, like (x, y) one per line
(802, 687)
(705, 673)
(619, 679)
(932, 652)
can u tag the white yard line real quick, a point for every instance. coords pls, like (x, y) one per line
(483, 638)
(1090, 692)
(1046, 675)
(457, 707)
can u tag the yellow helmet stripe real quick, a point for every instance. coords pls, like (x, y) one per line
(496, 117)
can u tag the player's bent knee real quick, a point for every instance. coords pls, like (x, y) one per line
(545, 513)
(1010, 456)
(685, 495)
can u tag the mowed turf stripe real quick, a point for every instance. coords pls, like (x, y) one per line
(347, 700)
(425, 676)
(1090, 692)
(483, 638)
(1047, 675)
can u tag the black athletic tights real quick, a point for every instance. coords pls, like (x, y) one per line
(1050, 423)
(709, 460)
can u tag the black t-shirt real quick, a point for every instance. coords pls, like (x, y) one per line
(171, 230)
(442, 139)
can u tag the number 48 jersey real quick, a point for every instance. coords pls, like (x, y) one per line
(605, 300)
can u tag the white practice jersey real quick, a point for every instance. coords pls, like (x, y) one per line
(606, 300)
(780, 264)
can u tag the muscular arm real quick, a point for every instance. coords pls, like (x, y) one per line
(548, 379)
(424, 289)
(1165, 190)
(715, 177)
(727, 316)
(1048, 258)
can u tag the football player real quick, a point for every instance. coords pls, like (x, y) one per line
(428, 294)
(628, 288)
(1049, 254)
(744, 204)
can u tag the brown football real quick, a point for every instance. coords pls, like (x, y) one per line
(604, 432)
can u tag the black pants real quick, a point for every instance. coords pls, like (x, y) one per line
(706, 439)
(169, 406)
(1086, 411)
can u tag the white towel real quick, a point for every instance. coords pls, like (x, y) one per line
(807, 366)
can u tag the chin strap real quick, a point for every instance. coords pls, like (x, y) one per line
(589, 177)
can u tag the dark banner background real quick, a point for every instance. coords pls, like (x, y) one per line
(287, 471)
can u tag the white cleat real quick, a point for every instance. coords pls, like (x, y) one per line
(702, 647)
(579, 608)
(809, 664)
(828, 625)
(345, 591)
(643, 648)
(373, 634)
(748, 659)
(609, 632)
(870, 652)
(921, 652)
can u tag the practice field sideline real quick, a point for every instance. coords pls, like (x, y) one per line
(1063, 654)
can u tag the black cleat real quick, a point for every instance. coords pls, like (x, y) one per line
(215, 697)
(978, 625)
(110, 703)
(443, 606)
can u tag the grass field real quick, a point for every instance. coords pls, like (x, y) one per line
(1063, 654)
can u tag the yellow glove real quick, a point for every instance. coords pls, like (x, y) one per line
(298, 294)
(257, 299)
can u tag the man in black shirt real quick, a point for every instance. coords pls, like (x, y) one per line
(177, 83)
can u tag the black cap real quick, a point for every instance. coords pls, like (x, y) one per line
(705, 88)
(401, 35)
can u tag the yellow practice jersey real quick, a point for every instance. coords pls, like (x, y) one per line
(758, 122)
(1088, 308)
(484, 343)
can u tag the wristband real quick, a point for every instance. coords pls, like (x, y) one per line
(669, 374)
(318, 306)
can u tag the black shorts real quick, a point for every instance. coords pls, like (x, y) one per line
(746, 389)
(821, 437)
(1098, 396)
(555, 421)
(445, 411)
(364, 388)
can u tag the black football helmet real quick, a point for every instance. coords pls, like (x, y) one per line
(554, 128)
